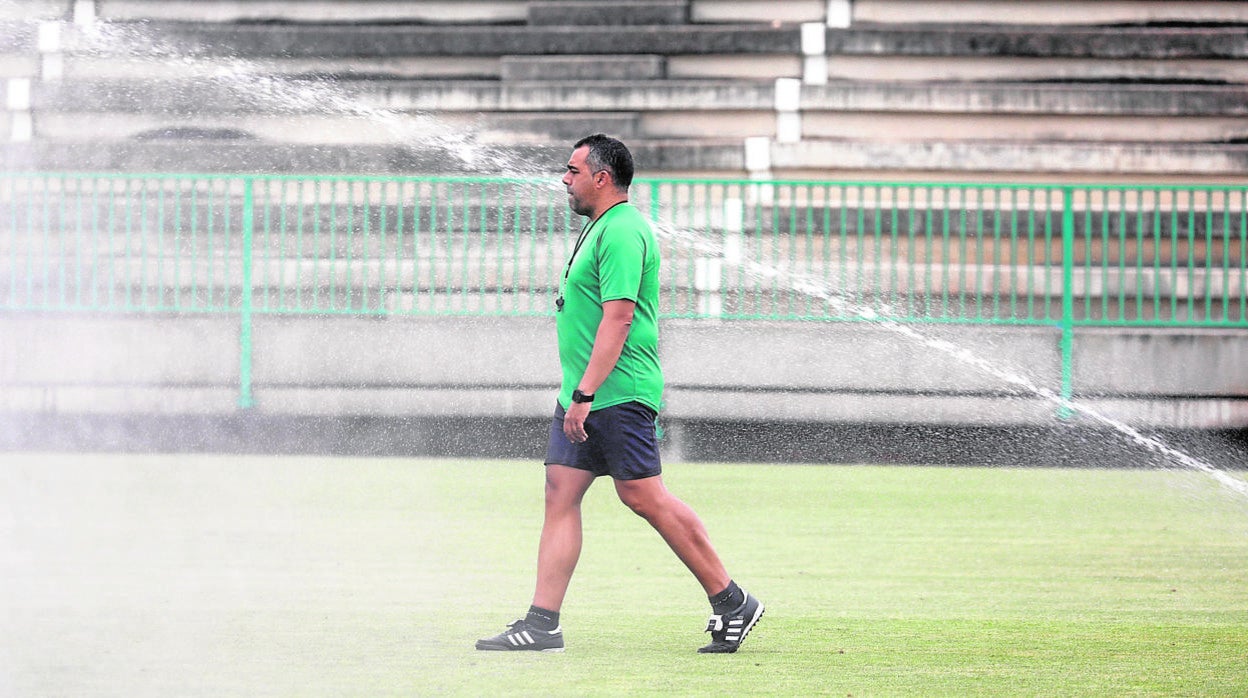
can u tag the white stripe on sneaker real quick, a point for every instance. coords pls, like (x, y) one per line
(521, 638)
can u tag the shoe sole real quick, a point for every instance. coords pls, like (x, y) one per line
(492, 648)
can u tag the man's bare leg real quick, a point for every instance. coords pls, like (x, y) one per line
(733, 611)
(679, 526)
(557, 554)
(560, 544)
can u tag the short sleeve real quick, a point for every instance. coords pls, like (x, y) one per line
(621, 259)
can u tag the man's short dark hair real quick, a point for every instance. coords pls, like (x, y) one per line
(607, 153)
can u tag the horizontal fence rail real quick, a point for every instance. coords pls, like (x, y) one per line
(1030, 254)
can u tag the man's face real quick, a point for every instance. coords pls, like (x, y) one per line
(579, 180)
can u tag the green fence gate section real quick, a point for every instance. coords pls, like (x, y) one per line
(1025, 254)
(961, 252)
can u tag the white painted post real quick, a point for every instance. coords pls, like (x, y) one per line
(17, 102)
(84, 12)
(840, 13)
(758, 154)
(17, 96)
(23, 127)
(758, 168)
(51, 63)
(814, 54)
(49, 37)
(788, 114)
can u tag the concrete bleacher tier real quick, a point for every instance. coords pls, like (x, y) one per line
(1071, 89)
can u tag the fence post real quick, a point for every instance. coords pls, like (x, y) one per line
(245, 399)
(654, 201)
(1064, 410)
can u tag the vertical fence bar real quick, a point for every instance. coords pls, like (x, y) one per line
(1140, 243)
(1157, 247)
(1227, 234)
(913, 257)
(1100, 197)
(1068, 301)
(1243, 256)
(1208, 288)
(193, 237)
(245, 399)
(1191, 255)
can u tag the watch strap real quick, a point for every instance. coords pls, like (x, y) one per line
(578, 396)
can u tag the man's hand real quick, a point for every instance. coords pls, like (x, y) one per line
(574, 422)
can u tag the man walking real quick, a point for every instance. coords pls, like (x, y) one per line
(604, 423)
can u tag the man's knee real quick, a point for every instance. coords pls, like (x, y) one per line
(644, 498)
(565, 485)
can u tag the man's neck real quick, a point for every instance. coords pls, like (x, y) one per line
(607, 205)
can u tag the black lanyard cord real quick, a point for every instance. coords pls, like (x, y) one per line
(577, 248)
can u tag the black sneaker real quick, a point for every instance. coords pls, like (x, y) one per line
(522, 635)
(729, 630)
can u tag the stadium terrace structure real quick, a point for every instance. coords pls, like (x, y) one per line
(1109, 91)
(894, 231)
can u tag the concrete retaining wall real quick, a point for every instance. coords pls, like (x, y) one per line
(507, 368)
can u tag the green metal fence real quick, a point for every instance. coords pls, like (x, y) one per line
(1056, 255)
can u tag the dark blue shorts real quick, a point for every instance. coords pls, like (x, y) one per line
(622, 443)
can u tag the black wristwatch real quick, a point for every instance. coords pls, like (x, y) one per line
(578, 396)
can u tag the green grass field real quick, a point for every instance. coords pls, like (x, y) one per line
(248, 576)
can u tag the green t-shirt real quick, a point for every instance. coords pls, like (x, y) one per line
(618, 260)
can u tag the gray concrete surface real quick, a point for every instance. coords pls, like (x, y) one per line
(507, 367)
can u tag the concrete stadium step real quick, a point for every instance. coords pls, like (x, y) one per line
(891, 53)
(722, 66)
(863, 11)
(718, 67)
(419, 10)
(1118, 43)
(315, 11)
(77, 67)
(1037, 69)
(19, 37)
(1027, 98)
(370, 41)
(769, 11)
(36, 10)
(986, 161)
(1049, 12)
(1022, 128)
(617, 12)
(566, 126)
(18, 67)
(195, 97)
(623, 67)
(1114, 161)
(312, 96)
(702, 156)
(542, 127)
(365, 42)
(394, 111)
